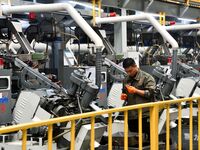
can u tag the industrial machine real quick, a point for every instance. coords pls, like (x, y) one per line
(35, 96)
(47, 100)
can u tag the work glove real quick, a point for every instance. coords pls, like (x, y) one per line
(131, 89)
(123, 96)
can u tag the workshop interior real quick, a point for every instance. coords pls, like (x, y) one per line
(62, 59)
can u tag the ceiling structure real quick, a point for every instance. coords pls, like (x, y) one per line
(178, 8)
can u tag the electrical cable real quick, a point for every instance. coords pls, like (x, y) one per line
(74, 36)
(61, 134)
(79, 105)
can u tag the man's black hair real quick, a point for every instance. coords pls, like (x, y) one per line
(128, 62)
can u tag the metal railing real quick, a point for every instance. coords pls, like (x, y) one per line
(154, 114)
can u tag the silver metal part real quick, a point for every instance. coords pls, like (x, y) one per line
(27, 108)
(162, 120)
(43, 80)
(83, 136)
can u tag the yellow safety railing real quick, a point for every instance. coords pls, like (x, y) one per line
(154, 114)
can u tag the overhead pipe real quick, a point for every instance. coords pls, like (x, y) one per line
(161, 29)
(156, 25)
(143, 16)
(7, 10)
(182, 27)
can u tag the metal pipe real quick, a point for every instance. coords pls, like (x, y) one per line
(119, 19)
(183, 27)
(163, 32)
(143, 16)
(180, 27)
(156, 25)
(7, 10)
(83, 47)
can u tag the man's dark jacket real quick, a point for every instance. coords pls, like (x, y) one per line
(142, 81)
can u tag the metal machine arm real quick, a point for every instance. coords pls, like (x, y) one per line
(43, 80)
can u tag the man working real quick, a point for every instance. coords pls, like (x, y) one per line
(138, 88)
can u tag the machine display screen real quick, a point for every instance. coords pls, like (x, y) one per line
(4, 83)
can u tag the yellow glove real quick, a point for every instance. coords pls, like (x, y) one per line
(124, 97)
(131, 89)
